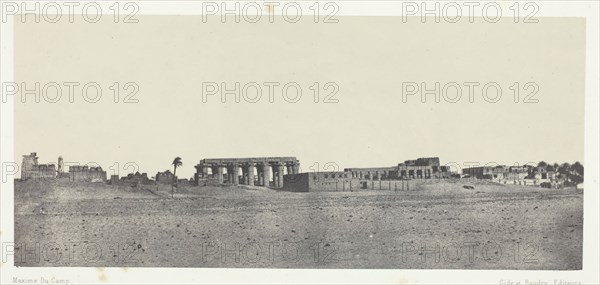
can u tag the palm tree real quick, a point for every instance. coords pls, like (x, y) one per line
(176, 163)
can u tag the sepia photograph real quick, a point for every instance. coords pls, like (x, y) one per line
(307, 142)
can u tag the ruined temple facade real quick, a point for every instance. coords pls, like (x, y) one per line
(420, 168)
(260, 171)
(30, 169)
(399, 177)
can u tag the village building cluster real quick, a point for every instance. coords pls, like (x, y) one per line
(517, 175)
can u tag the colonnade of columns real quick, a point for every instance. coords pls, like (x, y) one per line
(403, 173)
(370, 174)
(266, 173)
(418, 173)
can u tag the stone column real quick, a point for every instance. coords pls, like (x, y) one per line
(215, 170)
(220, 173)
(229, 174)
(251, 174)
(244, 175)
(266, 174)
(288, 168)
(235, 173)
(279, 176)
(259, 170)
(296, 168)
(204, 171)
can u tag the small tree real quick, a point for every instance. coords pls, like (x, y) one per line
(577, 172)
(577, 167)
(176, 163)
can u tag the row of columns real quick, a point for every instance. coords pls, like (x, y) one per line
(371, 175)
(263, 172)
(416, 173)
(404, 173)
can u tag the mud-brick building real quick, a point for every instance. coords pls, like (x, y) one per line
(165, 177)
(518, 175)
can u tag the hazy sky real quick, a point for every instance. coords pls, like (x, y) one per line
(369, 58)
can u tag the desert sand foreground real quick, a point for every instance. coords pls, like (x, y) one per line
(437, 225)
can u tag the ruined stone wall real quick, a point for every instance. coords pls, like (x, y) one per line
(41, 171)
(135, 179)
(85, 173)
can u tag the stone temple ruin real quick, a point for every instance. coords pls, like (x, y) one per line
(378, 178)
(421, 168)
(261, 171)
(32, 170)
